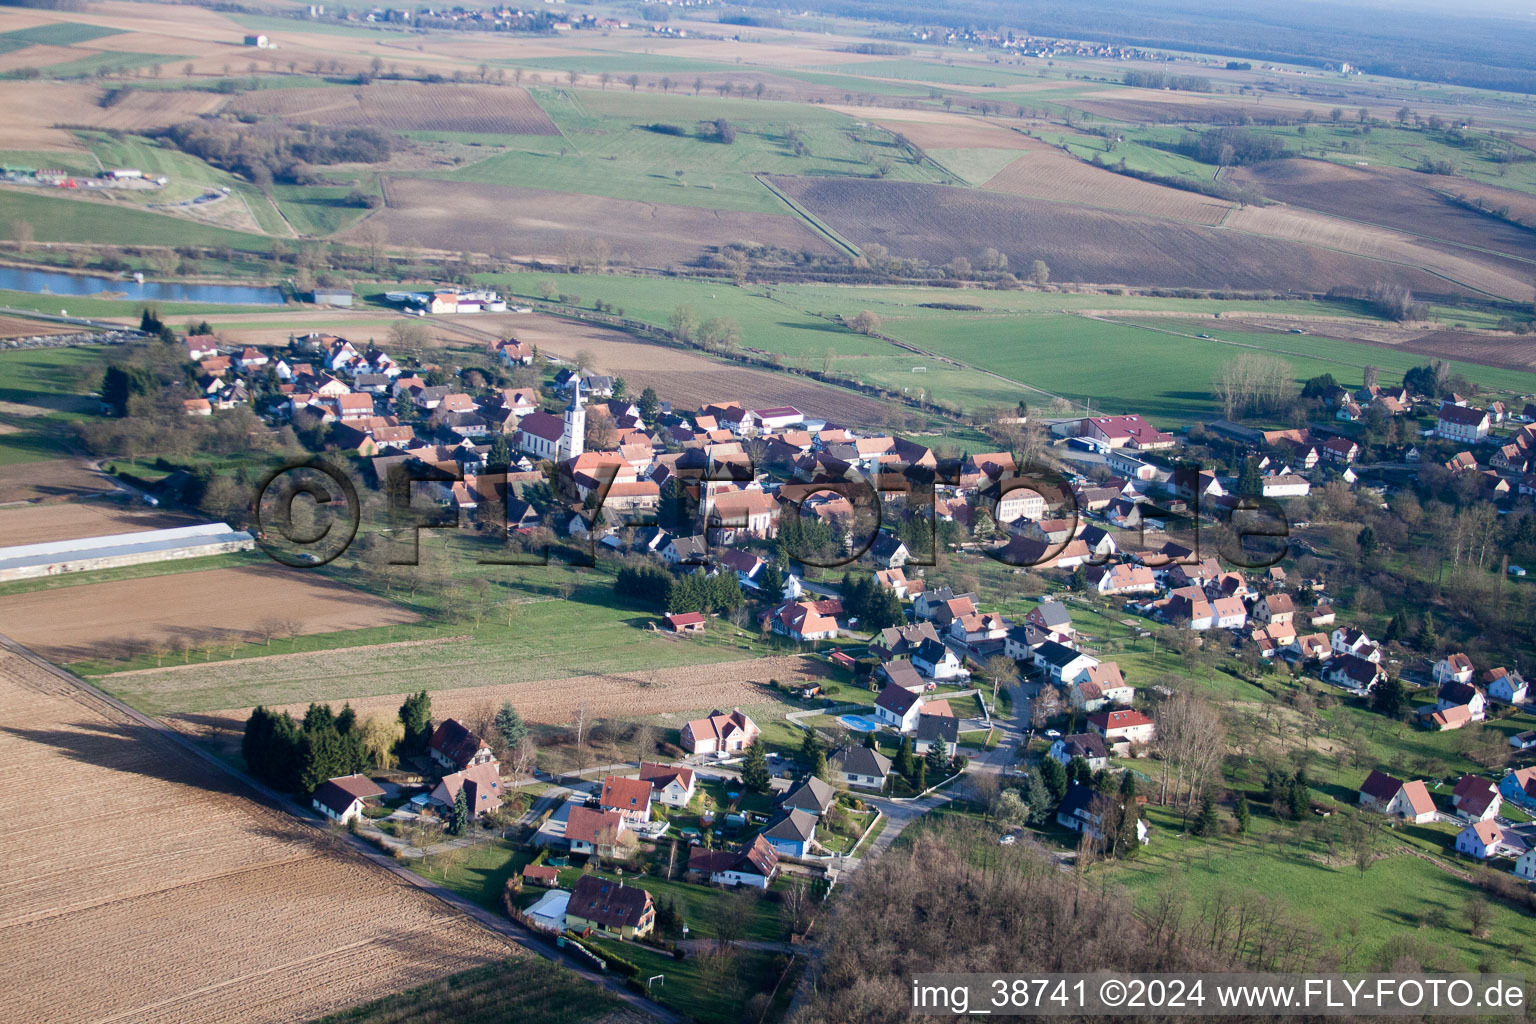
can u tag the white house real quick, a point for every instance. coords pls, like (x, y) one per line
(1461, 423)
(1481, 839)
(1087, 745)
(1453, 668)
(861, 767)
(1505, 685)
(936, 660)
(672, 785)
(342, 799)
(1384, 794)
(898, 707)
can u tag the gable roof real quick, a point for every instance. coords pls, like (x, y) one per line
(1380, 786)
(812, 793)
(625, 794)
(586, 825)
(338, 794)
(1473, 794)
(660, 776)
(933, 728)
(860, 760)
(1087, 745)
(610, 904)
(896, 698)
(792, 824)
(455, 741)
(1418, 797)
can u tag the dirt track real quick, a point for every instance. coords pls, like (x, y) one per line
(145, 887)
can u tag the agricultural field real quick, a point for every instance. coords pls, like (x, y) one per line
(196, 609)
(23, 327)
(517, 989)
(206, 875)
(39, 524)
(936, 224)
(1392, 198)
(400, 106)
(453, 215)
(1044, 172)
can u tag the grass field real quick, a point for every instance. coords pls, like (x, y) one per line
(59, 34)
(40, 394)
(1390, 901)
(112, 223)
(609, 151)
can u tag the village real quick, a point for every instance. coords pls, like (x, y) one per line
(823, 538)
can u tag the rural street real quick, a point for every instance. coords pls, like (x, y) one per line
(263, 794)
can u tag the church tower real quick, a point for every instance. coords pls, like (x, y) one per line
(573, 441)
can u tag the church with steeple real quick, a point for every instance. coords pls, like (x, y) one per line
(573, 440)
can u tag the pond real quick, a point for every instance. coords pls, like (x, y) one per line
(53, 282)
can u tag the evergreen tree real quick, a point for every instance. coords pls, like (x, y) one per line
(1128, 842)
(1128, 784)
(1240, 812)
(149, 321)
(754, 769)
(819, 766)
(935, 760)
(458, 819)
(1207, 823)
(811, 744)
(1054, 774)
(1428, 639)
(1389, 697)
(672, 511)
(649, 404)
(501, 453)
(1398, 627)
(510, 724)
(346, 720)
(1251, 483)
(1366, 539)
(1078, 771)
(920, 782)
(904, 760)
(1300, 796)
(1038, 797)
(416, 716)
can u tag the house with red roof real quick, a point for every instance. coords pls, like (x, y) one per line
(1476, 798)
(631, 798)
(1120, 729)
(720, 733)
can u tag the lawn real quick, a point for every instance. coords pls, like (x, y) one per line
(752, 915)
(481, 876)
(708, 992)
(65, 33)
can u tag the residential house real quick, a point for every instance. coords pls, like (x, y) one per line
(1476, 798)
(898, 707)
(1481, 839)
(1461, 423)
(1505, 685)
(1467, 695)
(342, 799)
(613, 907)
(480, 783)
(1525, 864)
(1384, 794)
(631, 798)
(1354, 672)
(1274, 609)
(1053, 617)
(1087, 745)
(1341, 450)
(720, 733)
(937, 660)
(791, 833)
(1062, 664)
(672, 785)
(895, 580)
(943, 730)
(1122, 729)
(888, 551)
(1124, 578)
(813, 796)
(754, 864)
(1519, 788)
(1077, 813)
(899, 641)
(455, 746)
(861, 767)
(591, 831)
(901, 672)
(1446, 719)
(804, 621)
(1453, 668)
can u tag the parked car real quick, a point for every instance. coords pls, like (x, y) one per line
(1516, 570)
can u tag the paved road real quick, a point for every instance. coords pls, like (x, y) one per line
(262, 793)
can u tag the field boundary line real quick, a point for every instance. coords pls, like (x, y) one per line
(806, 215)
(74, 686)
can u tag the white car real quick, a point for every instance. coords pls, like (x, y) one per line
(1516, 570)
(1008, 840)
(1053, 734)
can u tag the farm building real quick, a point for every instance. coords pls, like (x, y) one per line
(26, 561)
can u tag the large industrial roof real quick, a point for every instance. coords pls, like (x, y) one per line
(84, 548)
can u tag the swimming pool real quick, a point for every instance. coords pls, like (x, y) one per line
(859, 723)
